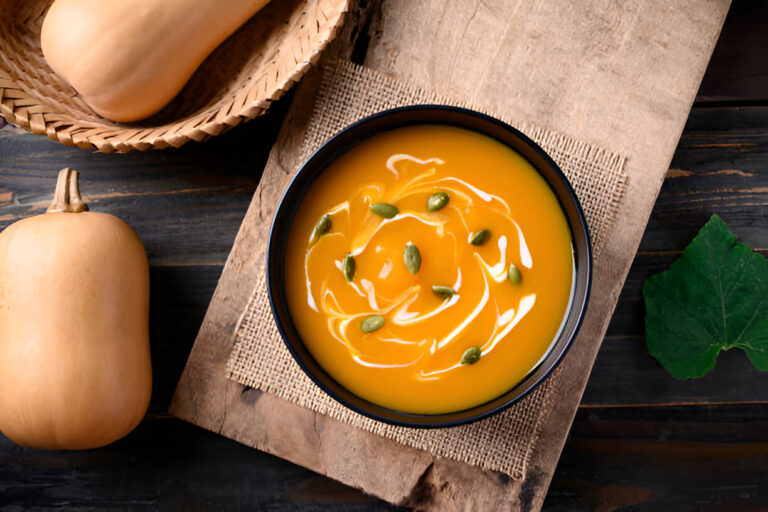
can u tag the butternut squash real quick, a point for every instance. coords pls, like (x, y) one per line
(128, 59)
(75, 367)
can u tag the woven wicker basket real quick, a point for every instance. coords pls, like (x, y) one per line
(252, 68)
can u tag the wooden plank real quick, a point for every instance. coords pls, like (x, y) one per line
(626, 374)
(204, 185)
(155, 469)
(665, 458)
(738, 71)
(719, 165)
(179, 296)
(616, 75)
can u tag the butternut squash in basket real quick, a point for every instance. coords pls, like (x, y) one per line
(128, 59)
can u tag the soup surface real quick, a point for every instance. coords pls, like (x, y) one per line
(359, 282)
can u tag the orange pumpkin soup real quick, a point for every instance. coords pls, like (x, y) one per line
(429, 269)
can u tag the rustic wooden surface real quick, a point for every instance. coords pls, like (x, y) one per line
(617, 76)
(704, 448)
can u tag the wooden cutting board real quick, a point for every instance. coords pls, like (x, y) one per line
(621, 75)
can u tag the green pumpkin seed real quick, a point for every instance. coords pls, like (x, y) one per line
(437, 201)
(372, 323)
(412, 258)
(471, 355)
(514, 275)
(323, 225)
(444, 292)
(480, 237)
(384, 210)
(348, 267)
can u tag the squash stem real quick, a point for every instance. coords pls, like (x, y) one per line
(67, 198)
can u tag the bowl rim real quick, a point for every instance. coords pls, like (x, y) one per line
(317, 163)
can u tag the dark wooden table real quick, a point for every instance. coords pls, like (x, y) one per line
(641, 439)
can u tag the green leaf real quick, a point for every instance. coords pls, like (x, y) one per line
(714, 297)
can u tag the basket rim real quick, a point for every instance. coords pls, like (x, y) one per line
(17, 107)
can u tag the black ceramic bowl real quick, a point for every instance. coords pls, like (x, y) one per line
(396, 118)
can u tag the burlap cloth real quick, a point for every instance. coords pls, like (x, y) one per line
(503, 442)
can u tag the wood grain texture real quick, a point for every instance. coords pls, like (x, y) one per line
(644, 459)
(155, 469)
(738, 71)
(664, 459)
(617, 76)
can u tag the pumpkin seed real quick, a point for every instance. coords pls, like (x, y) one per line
(480, 237)
(412, 258)
(348, 267)
(437, 201)
(514, 275)
(384, 210)
(372, 323)
(471, 355)
(323, 225)
(444, 292)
